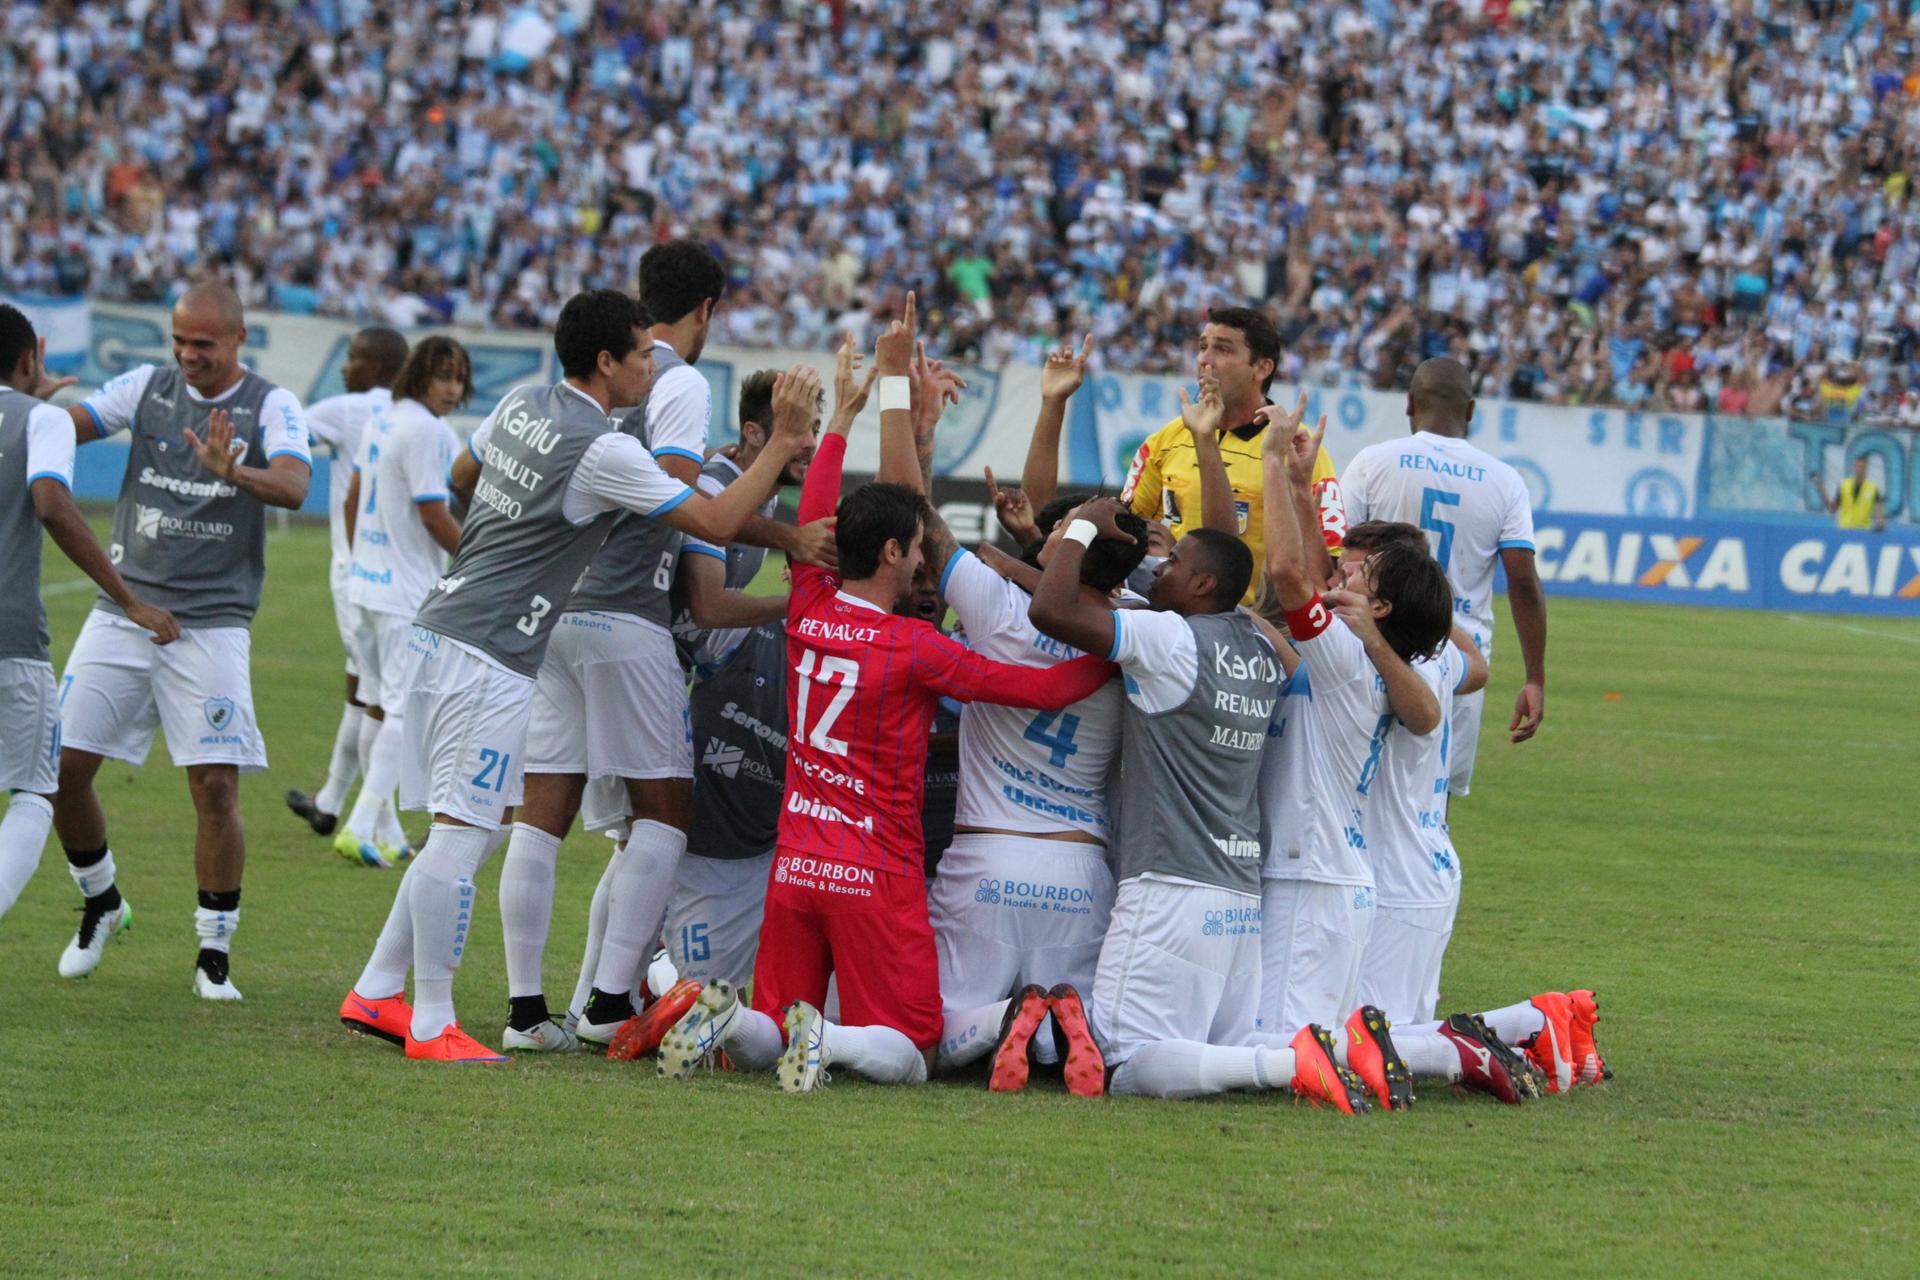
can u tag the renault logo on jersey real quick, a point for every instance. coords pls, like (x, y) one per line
(219, 712)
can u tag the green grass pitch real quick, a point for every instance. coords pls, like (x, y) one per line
(1714, 830)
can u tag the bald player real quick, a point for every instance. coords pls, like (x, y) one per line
(213, 445)
(1475, 512)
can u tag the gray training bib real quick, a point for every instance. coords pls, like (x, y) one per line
(740, 737)
(23, 625)
(186, 540)
(1189, 804)
(519, 555)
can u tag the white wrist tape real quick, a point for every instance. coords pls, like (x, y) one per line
(896, 392)
(1082, 532)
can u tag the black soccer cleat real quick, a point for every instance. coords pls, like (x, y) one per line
(302, 804)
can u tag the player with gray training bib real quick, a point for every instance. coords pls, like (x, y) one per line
(548, 473)
(213, 445)
(373, 358)
(36, 482)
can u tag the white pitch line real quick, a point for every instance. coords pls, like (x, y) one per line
(1856, 630)
(68, 587)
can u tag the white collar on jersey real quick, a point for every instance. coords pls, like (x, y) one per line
(864, 604)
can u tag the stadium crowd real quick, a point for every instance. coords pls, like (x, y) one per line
(1681, 205)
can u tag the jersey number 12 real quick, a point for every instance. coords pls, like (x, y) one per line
(841, 674)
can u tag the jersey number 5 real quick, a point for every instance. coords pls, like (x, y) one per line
(815, 670)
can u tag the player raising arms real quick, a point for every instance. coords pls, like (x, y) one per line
(213, 445)
(848, 892)
(549, 472)
(36, 479)
(374, 356)
(401, 533)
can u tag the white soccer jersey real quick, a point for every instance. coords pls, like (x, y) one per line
(1283, 777)
(1414, 864)
(1343, 727)
(405, 455)
(1026, 770)
(338, 422)
(1471, 505)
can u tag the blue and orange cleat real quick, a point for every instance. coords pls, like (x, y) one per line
(1318, 1077)
(1371, 1056)
(386, 1018)
(1025, 1012)
(1551, 1049)
(1588, 1066)
(452, 1045)
(1082, 1065)
(641, 1034)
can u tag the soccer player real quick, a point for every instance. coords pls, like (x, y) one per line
(374, 356)
(213, 446)
(1178, 978)
(36, 482)
(738, 706)
(848, 892)
(401, 533)
(1474, 510)
(549, 472)
(1240, 348)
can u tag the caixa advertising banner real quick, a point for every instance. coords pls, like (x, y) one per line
(1731, 564)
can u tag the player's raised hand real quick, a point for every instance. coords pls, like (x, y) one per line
(43, 385)
(893, 353)
(1354, 609)
(1205, 415)
(815, 545)
(1281, 423)
(1529, 709)
(155, 619)
(1014, 511)
(217, 453)
(796, 400)
(850, 389)
(1065, 370)
(1104, 513)
(1303, 451)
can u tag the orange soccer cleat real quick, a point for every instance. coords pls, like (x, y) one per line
(1551, 1049)
(1588, 1066)
(1010, 1064)
(641, 1034)
(1371, 1055)
(387, 1017)
(1319, 1079)
(1081, 1062)
(452, 1045)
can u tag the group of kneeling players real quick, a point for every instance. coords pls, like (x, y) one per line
(1179, 820)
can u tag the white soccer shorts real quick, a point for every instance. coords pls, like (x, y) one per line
(120, 687)
(30, 743)
(1009, 910)
(1180, 962)
(465, 721)
(611, 702)
(346, 618)
(713, 917)
(380, 648)
(1463, 740)
(1400, 971)
(1315, 937)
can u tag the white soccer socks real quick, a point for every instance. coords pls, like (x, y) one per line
(1190, 1069)
(881, 1054)
(642, 876)
(440, 903)
(970, 1034)
(526, 905)
(215, 920)
(382, 765)
(343, 766)
(23, 834)
(386, 972)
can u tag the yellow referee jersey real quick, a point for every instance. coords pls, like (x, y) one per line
(1857, 500)
(1164, 484)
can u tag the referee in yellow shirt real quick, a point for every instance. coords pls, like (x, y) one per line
(1240, 349)
(1858, 502)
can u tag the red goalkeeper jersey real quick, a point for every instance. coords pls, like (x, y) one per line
(862, 688)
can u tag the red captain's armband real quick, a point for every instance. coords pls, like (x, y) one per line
(1309, 620)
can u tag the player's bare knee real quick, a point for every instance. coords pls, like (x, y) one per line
(664, 800)
(215, 789)
(77, 770)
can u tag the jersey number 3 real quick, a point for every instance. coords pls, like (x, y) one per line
(840, 674)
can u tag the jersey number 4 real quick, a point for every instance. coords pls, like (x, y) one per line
(1061, 743)
(842, 675)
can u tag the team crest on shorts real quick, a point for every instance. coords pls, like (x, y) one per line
(219, 712)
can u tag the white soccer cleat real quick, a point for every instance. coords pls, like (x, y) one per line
(600, 1033)
(207, 989)
(803, 1066)
(82, 955)
(548, 1037)
(661, 975)
(699, 1031)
